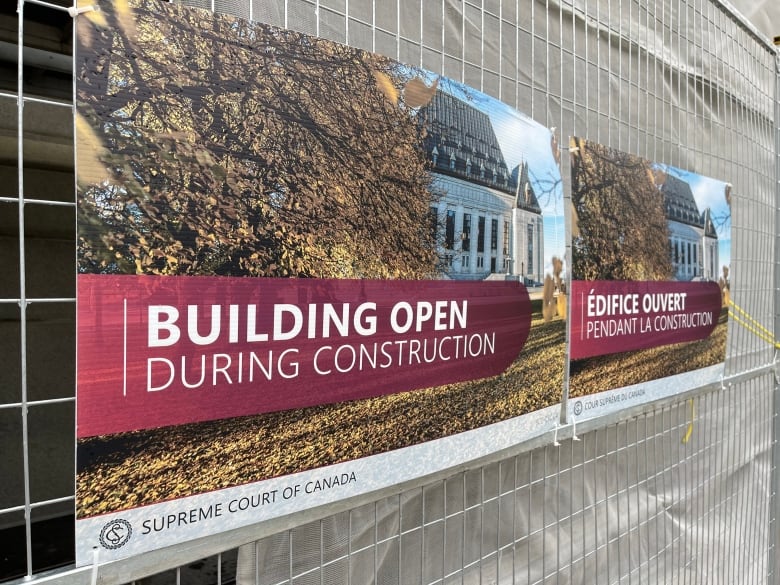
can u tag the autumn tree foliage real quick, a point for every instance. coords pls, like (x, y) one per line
(554, 292)
(620, 229)
(209, 145)
(725, 287)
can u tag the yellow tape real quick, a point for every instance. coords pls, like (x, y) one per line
(759, 329)
(751, 325)
(689, 432)
(756, 332)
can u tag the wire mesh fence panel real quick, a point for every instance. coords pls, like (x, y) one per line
(630, 502)
(677, 490)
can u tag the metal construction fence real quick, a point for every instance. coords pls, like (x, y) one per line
(680, 489)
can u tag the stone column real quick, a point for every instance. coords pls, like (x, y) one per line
(457, 265)
(488, 251)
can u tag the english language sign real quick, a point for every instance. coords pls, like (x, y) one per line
(302, 274)
(157, 351)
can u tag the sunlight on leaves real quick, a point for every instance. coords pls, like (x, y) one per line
(385, 85)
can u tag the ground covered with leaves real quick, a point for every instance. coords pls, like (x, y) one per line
(127, 470)
(591, 375)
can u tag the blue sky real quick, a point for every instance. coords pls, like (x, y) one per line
(523, 139)
(709, 192)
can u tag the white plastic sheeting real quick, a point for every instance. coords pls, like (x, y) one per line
(763, 14)
(677, 490)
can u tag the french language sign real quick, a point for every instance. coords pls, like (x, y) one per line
(650, 278)
(616, 316)
(156, 351)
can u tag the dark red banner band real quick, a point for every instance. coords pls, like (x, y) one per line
(615, 316)
(159, 350)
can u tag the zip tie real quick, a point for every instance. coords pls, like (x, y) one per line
(556, 442)
(74, 11)
(574, 436)
(95, 564)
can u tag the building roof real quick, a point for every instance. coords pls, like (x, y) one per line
(525, 196)
(461, 142)
(709, 225)
(679, 204)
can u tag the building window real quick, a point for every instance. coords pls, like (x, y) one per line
(505, 250)
(452, 161)
(480, 261)
(689, 257)
(449, 230)
(493, 235)
(540, 247)
(481, 234)
(530, 248)
(465, 260)
(435, 223)
(466, 235)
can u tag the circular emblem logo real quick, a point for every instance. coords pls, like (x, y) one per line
(115, 534)
(578, 408)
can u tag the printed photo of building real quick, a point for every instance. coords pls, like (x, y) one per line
(693, 240)
(489, 220)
